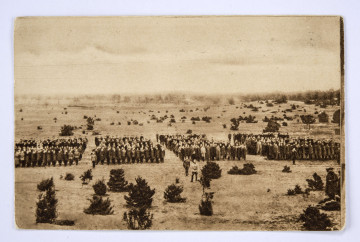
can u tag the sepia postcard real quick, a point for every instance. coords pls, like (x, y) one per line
(179, 123)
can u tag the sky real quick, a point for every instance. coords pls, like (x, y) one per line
(115, 55)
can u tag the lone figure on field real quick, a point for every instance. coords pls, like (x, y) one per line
(194, 170)
(186, 166)
(93, 158)
(293, 154)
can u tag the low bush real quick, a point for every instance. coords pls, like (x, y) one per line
(315, 184)
(86, 177)
(248, 169)
(211, 170)
(286, 169)
(100, 188)
(45, 184)
(172, 194)
(99, 206)
(314, 220)
(69, 177)
(138, 219)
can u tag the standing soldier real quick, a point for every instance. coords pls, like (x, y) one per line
(137, 155)
(162, 154)
(123, 155)
(118, 154)
(217, 152)
(194, 170)
(293, 151)
(17, 157)
(76, 156)
(22, 157)
(311, 151)
(71, 156)
(186, 165)
(93, 158)
(60, 155)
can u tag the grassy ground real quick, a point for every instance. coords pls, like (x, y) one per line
(256, 202)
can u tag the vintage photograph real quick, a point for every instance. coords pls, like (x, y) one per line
(179, 123)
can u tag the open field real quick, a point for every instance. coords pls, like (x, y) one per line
(255, 202)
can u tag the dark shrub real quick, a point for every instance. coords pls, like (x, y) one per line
(323, 117)
(117, 182)
(64, 222)
(39, 128)
(224, 126)
(291, 192)
(140, 195)
(86, 177)
(46, 206)
(234, 170)
(99, 206)
(138, 219)
(269, 105)
(206, 119)
(298, 189)
(248, 169)
(205, 206)
(172, 194)
(211, 170)
(189, 131)
(112, 123)
(315, 184)
(314, 220)
(284, 124)
(336, 117)
(69, 177)
(99, 188)
(272, 127)
(286, 169)
(45, 184)
(66, 130)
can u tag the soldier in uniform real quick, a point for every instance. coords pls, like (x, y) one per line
(76, 156)
(93, 158)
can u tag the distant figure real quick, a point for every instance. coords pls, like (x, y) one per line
(194, 170)
(186, 166)
(293, 155)
(93, 159)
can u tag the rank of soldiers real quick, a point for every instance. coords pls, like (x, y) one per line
(274, 147)
(124, 150)
(40, 153)
(282, 147)
(199, 148)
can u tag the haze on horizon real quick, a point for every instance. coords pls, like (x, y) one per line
(224, 55)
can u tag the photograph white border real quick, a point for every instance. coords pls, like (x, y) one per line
(10, 9)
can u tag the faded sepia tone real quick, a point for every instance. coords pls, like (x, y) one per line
(182, 83)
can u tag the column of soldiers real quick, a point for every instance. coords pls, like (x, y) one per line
(282, 147)
(199, 148)
(126, 150)
(32, 153)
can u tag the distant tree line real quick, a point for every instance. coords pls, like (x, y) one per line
(329, 97)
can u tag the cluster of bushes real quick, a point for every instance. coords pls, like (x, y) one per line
(272, 126)
(296, 190)
(172, 194)
(206, 119)
(248, 169)
(286, 169)
(139, 199)
(67, 130)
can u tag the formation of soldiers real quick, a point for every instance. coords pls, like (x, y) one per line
(126, 150)
(196, 147)
(282, 147)
(40, 153)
